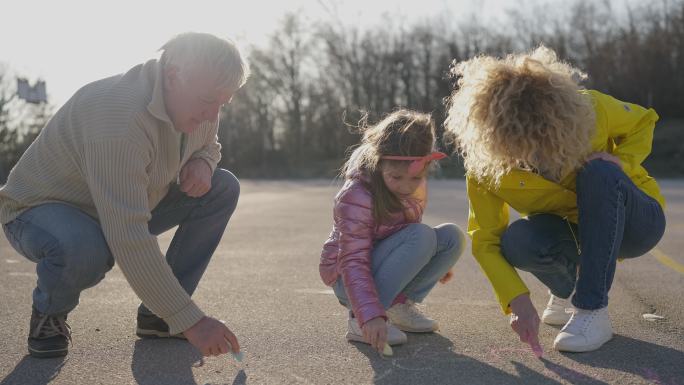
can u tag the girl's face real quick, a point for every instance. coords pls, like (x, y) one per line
(399, 182)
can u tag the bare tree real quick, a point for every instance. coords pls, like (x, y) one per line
(307, 83)
(20, 123)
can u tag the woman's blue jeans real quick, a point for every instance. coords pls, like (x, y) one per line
(411, 261)
(71, 253)
(616, 220)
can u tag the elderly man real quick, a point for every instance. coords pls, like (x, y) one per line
(126, 158)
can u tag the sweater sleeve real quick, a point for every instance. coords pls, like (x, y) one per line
(354, 219)
(487, 220)
(211, 151)
(115, 170)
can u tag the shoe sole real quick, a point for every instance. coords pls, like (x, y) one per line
(147, 333)
(357, 338)
(48, 353)
(582, 349)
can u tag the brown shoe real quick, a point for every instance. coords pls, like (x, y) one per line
(151, 326)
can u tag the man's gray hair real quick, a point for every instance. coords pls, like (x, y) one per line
(193, 50)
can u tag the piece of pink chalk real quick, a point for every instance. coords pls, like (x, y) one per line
(538, 351)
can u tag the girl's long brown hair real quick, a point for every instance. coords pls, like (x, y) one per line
(403, 132)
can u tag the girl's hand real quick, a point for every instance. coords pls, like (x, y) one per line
(605, 156)
(375, 333)
(447, 276)
(525, 322)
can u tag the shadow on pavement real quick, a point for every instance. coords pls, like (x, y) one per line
(654, 363)
(430, 359)
(38, 371)
(241, 378)
(164, 361)
(569, 375)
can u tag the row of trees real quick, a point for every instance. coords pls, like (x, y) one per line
(20, 122)
(311, 79)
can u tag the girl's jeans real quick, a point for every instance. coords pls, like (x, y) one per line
(616, 220)
(411, 261)
(71, 253)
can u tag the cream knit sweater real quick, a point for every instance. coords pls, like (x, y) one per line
(112, 152)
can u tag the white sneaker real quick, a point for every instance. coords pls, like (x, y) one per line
(587, 330)
(409, 318)
(558, 311)
(394, 335)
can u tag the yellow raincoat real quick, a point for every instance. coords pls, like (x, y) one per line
(622, 129)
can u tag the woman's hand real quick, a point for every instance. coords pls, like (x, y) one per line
(375, 333)
(525, 322)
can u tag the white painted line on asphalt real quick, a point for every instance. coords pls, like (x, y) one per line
(22, 274)
(11, 260)
(667, 261)
(314, 291)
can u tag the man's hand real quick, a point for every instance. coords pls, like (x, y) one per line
(525, 322)
(195, 178)
(375, 333)
(447, 277)
(605, 156)
(212, 338)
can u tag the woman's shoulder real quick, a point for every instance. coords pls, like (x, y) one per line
(606, 105)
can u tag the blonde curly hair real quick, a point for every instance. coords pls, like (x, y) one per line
(526, 111)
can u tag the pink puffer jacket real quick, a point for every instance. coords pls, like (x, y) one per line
(347, 252)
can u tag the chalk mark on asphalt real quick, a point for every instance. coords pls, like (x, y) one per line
(315, 291)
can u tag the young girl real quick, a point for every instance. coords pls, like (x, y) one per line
(569, 161)
(380, 259)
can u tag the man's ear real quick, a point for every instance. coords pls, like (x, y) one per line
(171, 77)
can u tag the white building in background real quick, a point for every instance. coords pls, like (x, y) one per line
(35, 94)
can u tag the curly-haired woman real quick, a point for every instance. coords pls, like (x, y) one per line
(569, 161)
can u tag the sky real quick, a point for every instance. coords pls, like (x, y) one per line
(69, 43)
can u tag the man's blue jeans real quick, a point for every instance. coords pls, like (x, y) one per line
(411, 261)
(616, 220)
(71, 253)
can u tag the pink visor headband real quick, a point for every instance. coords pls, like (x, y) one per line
(418, 162)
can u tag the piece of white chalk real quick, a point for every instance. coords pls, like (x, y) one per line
(652, 317)
(387, 350)
(238, 356)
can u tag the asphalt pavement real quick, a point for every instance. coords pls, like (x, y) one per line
(263, 281)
